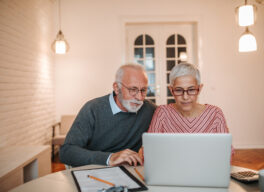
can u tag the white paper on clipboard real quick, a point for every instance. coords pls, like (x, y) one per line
(116, 175)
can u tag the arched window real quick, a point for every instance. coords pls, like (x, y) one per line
(144, 54)
(158, 47)
(176, 52)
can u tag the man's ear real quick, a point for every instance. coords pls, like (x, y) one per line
(116, 88)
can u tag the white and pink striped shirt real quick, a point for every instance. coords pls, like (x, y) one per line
(167, 120)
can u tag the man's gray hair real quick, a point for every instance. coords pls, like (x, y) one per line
(183, 69)
(120, 71)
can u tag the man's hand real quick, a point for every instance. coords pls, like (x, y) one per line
(126, 156)
(141, 153)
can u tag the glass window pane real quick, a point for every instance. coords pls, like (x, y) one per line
(150, 65)
(168, 92)
(180, 61)
(139, 40)
(151, 91)
(149, 40)
(151, 78)
(140, 62)
(138, 53)
(181, 40)
(170, 101)
(181, 49)
(153, 100)
(170, 65)
(170, 52)
(168, 78)
(171, 40)
(150, 53)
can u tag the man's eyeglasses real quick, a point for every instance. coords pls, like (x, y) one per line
(134, 90)
(180, 91)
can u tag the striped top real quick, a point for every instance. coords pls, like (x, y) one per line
(167, 119)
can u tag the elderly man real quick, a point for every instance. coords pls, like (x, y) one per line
(108, 129)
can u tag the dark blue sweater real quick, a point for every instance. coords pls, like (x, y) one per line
(96, 132)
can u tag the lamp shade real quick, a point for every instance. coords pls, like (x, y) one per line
(183, 56)
(246, 15)
(247, 42)
(60, 45)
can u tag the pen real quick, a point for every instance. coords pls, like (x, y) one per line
(141, 177)
(101, 180)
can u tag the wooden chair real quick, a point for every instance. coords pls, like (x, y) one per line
(60, 130)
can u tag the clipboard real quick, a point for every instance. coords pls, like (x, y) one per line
(120, 176)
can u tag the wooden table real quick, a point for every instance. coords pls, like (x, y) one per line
(20, 164)
(63, 181)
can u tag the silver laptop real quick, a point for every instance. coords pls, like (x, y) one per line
(198, 160)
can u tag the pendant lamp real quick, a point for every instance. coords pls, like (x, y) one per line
(183, 56)
(246, 14)
(60, 45)
(247, 42)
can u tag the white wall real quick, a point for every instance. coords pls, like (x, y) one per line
(27, 108)
(232, 80)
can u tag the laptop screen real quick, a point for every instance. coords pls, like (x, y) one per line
(187, 159)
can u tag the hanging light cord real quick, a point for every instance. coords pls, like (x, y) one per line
(59, 12)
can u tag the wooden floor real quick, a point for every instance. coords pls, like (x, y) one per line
(248, 158)
(57, 165)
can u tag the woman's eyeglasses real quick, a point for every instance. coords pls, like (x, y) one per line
(180, 91)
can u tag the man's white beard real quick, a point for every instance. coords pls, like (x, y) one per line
(126, 103)
(130, 108)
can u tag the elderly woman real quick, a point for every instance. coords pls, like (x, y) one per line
(186, 115)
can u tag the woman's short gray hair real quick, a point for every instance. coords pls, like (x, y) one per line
(183, 69)
(120, 71)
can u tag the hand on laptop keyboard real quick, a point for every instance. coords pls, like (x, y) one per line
(245, 176)
(126, 156)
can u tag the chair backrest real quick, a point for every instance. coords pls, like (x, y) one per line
(66, 123)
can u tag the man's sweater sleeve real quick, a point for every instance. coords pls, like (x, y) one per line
(74, 151)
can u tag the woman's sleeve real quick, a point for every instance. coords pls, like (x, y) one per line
(223, 126)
